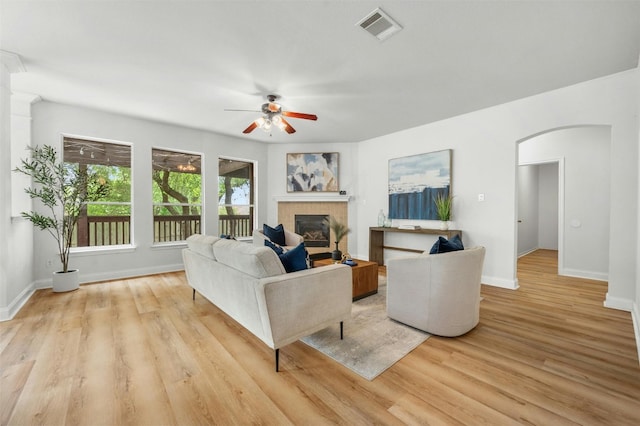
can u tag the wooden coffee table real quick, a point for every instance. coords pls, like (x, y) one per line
(364, 277)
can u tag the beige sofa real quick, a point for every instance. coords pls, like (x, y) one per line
(437, 293)
(250, 285)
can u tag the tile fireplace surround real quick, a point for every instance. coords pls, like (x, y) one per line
(288, 209)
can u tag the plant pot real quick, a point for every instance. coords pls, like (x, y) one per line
(336, 254)
(66, 281)
(444, 225)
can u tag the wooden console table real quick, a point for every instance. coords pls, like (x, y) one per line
(376, 240)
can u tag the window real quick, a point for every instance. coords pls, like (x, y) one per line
(235, 197)
(177, 195)
(106, 222)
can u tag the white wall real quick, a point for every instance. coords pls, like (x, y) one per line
(51, 120)
(484, 147)
(635, 313)
(548, 206)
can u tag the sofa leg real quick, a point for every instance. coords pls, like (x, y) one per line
(277, 358)
(194, 294)
(341, 329)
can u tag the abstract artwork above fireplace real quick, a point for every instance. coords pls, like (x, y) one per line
(312, 172)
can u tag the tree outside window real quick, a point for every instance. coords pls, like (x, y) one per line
(177, 195)
(107, 222)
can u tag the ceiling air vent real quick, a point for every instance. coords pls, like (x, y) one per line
(379, 24)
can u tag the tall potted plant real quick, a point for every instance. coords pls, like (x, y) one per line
(63, 189)
(443, 204)
(339, 231)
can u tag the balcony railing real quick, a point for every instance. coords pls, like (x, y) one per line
(116, 230)
(239, 225)
(175, 228)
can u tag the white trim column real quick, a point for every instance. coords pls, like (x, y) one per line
(16, 267)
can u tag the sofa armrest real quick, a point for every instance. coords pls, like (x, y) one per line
(291, 239)
(300, 303)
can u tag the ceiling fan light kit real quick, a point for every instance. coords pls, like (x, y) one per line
(273, 116)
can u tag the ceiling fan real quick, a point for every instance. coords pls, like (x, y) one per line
(273, 116)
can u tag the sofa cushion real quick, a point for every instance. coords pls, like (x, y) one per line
(258, 262)
(202, 244)
(276, 235)
(294, 259)
(279, 250)
(444, 246)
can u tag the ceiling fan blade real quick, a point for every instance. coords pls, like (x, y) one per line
(299, 115)
(287, 127)
(244, 110)
(251, 127)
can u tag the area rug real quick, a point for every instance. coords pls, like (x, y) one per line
(372, 342)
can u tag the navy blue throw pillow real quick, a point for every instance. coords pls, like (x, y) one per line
(276, 235)
(274, 247)
(444, 246)
(294, 259)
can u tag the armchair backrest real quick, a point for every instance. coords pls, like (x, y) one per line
(437, 293)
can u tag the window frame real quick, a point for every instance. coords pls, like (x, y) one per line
(79, 250)
(158, 244)
(253, 192)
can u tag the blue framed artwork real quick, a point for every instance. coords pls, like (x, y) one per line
(414, 183)
(312, 172)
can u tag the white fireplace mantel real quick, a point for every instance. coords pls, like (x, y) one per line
(307, 198)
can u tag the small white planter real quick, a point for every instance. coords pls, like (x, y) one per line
(444, 225)
(66, 281)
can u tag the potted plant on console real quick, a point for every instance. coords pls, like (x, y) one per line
(64, 189)
(339, 231)
(443, 209)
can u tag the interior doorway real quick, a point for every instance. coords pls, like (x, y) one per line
(540, 211)
(568, 173)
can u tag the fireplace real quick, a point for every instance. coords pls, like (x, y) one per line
(313, 228)
(290, 207)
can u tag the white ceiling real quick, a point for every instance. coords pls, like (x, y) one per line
(184, 62)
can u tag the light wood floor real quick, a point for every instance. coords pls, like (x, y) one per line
(141, 352)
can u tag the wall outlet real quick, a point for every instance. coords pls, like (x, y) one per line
(49, 263)
(480, 197)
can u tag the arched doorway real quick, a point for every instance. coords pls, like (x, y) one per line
(583, 208)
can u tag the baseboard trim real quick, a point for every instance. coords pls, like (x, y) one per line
(117, 275)
(14, 307)
(500, 282)
(618, 303)
(527, 252)
(589, 275)
(635, 317)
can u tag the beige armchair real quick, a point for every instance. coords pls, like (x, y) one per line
(438, 293)
(291, 239)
